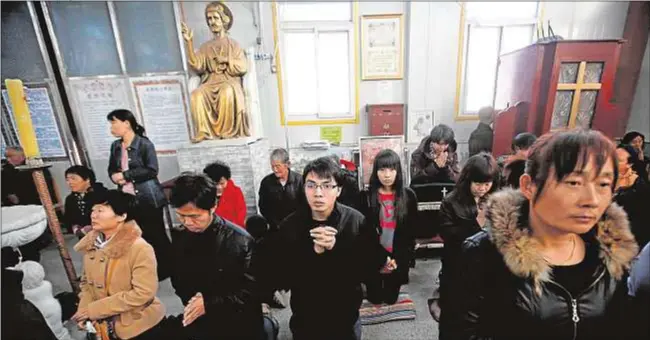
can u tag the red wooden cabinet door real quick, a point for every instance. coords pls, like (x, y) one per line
(581, 64)
(504, 130)
(386, 119)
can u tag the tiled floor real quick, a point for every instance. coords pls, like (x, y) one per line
(420, 288)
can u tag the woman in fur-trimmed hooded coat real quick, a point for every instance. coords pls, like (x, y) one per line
(553, 258)
(507, 289)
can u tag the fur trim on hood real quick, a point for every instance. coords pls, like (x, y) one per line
(520, 250)
(118, 245)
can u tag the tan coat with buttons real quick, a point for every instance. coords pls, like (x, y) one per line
(130, 293)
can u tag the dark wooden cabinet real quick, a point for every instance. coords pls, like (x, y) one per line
(557, 85)
(385, 119)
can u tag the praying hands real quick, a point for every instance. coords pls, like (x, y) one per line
(194, 309)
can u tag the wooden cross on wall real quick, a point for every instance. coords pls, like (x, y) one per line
(578, 87)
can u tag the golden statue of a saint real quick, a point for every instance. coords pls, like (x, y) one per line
(218, 106)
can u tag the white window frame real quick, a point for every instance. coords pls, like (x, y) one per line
(317, 27)
(500, 24)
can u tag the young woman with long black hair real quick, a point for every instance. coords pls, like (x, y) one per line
(462, 212)
(133, 166)
(391, 208)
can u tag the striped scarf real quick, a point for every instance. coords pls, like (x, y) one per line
(101, 241)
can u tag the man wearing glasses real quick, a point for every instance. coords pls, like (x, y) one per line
(212, 273)
(322, 253)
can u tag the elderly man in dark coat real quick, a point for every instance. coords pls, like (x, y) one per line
(481, 138)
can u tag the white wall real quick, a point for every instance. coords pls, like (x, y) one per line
(604, 20)
(243, 29)
(367, 89)
(433, 59)
(431, 54)
(640, 112)
(434, 49)
(586, 20)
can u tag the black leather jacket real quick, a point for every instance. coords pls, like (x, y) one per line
(505, 290)
(277, 201)
(217, 263)
(143, 169)
(634, 200)
(457, 222)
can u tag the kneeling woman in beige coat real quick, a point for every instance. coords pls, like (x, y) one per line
(119, 282)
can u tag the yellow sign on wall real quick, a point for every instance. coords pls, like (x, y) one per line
(22, 117)
(333, 134)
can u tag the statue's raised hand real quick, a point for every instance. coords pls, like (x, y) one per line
(187, 32)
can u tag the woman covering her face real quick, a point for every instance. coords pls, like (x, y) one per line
(552, 259)
(640, 164)
(391, 208)
(632, 194)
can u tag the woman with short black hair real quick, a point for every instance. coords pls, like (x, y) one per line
(133, 166)
(522, 143)
(512, 172)
(552, 259)
(119, 282)
(433, 160)
(230, 203)
(633, 194)
(640, 164)
(78, 204)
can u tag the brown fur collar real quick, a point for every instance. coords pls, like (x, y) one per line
(119, 243)
(520, 251)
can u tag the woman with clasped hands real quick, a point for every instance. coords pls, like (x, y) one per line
(119, 282)
(552, 260)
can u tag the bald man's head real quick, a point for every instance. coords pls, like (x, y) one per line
(15, 155)
(486, 115)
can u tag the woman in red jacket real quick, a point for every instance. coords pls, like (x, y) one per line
(230, 198)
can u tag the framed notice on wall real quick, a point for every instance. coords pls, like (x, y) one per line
(94, 100)
(382, 49)
(369, 147)
(420, 124)
(48, 135)
(161, 103)
(3, 146)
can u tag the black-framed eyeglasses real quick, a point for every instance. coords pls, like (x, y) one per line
(311, 186)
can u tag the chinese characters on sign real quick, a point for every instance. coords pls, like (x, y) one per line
(95, 99)
(381, 46)
(48, 136)
(162, 105)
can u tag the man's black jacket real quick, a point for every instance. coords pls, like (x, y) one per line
(278, 201)
(217, 263)
(325, 288)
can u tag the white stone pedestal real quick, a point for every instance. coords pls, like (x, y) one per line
(248, 159)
